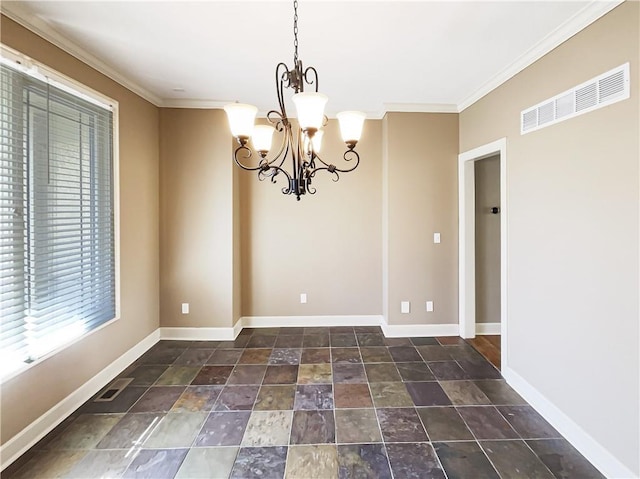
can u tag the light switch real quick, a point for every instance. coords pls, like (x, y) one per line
(405, 307)
(303, 298)
(185, 308)
(429, 306)
(436, 238)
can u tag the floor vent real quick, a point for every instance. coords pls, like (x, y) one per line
(113, 390)
(603, 90)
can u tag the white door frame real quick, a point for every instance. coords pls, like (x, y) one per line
(467, 241)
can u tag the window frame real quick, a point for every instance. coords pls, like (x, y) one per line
(42, 72)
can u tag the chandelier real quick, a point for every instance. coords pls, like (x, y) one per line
(300, 144)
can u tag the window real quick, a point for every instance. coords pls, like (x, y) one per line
(57, 235)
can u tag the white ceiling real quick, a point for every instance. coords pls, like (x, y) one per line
(371, 56)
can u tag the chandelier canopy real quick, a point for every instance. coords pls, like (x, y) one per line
(301, 145)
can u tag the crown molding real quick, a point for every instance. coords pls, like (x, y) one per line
(17, 12)
(585, 17)
(192, 104)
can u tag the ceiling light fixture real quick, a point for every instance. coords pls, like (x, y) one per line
(303, 146)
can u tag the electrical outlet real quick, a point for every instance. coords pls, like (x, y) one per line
(405, 307)
(303, 298)
(185, 308)
(429, 306)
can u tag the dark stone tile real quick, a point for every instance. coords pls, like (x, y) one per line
(316, 355)
(315, 341)
(382, 372)
(487, 423)
(416, 460)
(47, 464)
(225, 356)
(145, 375)
(343, 340)
(247, 374)
(341, 330)
(528, 423)
(370, 339)
(223, 429)
(285, 356)
(352, 396)
(356, 426)
(291, 331)
(348, 373)
(293, 341)
(363, 461)
(132, 430)
(255, 356)
(314, 396)
(424, 341)
(563, 460)
(515, 460)
(434, 353)
(464, 460)
(313, 427)
(204, 344)
(451, 341)
(262, 462)
(404, 354)
(499, 392)
(447, 370)
(444, 424)
(316, 330)
(235, 398)
(401, 425)
(210, 375)
(464, 393)
(194, 357)
(315, 374)
(197, 399)
(262, 341)
(275, 398)
(158, 399)
(397, 342)
(376, 354)
(161, 355)
(178, 375)
(390, 395)
(416, 371)
(480, 369)
(122, 403)
(345, 355)
(155, 464)
(267, 331)
(465, 352)
(368, 329)
(427, 394)
(240, 342)
(85, 431)
(287, 374)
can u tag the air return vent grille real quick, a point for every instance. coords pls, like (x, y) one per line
(603, 90)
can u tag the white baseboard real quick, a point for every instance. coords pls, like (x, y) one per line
(602, 459)
(488, 328)
(200, 334)
(30, 435)
(418, 330)
(309, 321)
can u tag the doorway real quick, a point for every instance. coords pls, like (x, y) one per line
(473, 310)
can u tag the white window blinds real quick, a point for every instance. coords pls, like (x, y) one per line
(57, 251)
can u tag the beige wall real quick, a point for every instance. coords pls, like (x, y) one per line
(573, 234)
(420, 165)
(198, 233)
(32, 393)
(487, 236)
(326, 245)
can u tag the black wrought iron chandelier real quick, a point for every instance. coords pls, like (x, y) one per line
(302, 144)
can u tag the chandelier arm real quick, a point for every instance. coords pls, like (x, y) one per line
(348, 155)
(311, 77)
(333, 171)
(283, 149)
(247, 154)
(283, 80)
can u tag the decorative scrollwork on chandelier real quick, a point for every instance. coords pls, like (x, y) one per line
(300, 144)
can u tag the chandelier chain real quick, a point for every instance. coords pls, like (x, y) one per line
(295, 32)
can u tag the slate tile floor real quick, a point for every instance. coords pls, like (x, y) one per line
(342, 402)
